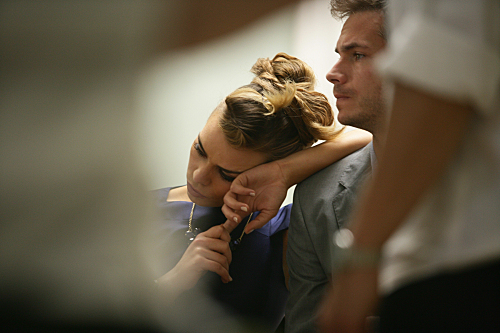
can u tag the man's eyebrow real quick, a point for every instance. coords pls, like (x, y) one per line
(350, 46)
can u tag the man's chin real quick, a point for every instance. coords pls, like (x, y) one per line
(344, 119)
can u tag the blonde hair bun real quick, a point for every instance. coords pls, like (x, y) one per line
(280, 102)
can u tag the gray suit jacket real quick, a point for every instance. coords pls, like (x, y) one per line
(321, 204)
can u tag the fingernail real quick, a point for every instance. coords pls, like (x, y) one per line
(244, 209)
(252, 194)
(235, 219)
(250, 231)
(230, 279)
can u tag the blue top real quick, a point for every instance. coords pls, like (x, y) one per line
(258, 291)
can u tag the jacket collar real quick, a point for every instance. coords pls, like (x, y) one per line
(359, 167)
(357, 171)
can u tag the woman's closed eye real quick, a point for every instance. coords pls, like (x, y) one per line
(225, 176)
(222, 173)
(200, 152)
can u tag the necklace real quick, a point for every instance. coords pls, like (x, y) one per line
(192, 233)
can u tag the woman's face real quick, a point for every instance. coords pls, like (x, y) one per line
(213, 165)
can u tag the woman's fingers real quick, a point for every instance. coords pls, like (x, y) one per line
(205, 256)
(217, 264)
(209, 251)
(230, 225)
(233, 219)
(238, 187)
(215, 239)
(217, 231)
(259, 221)
(213, 251)
(233, 208)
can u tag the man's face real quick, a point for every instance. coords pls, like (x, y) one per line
(357, 87)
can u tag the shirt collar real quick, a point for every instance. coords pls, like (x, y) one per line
(373, 157)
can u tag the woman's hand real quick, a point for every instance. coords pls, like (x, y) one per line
(264, 187)
(209, 251)
(270, 191)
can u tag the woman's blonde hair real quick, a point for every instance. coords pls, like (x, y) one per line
(278, 113)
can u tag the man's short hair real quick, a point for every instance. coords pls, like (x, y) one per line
(344, 8)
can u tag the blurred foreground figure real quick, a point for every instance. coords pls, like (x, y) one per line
(432, 210)
(72, 207)
(73, 235)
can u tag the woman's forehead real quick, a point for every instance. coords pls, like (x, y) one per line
(221, 153)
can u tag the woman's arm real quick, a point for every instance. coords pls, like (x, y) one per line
(264, 187)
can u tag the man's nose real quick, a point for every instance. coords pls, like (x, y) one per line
(336, 75)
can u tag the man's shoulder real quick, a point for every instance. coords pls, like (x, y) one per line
(345, 169)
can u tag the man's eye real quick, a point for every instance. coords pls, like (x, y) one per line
(358, 56)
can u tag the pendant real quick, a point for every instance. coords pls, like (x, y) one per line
(191, 234)
(234, 244)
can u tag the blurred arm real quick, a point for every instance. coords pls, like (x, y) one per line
(201, 20)
(424, 135)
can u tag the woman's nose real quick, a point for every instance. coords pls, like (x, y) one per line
(202, 175)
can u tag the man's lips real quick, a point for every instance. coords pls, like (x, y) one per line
(193, 192)
(341, 99)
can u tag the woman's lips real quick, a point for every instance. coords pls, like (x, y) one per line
(193, 192)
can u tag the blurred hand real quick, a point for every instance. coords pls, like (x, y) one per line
(209, 251)
(262, 188)
(349, 306)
